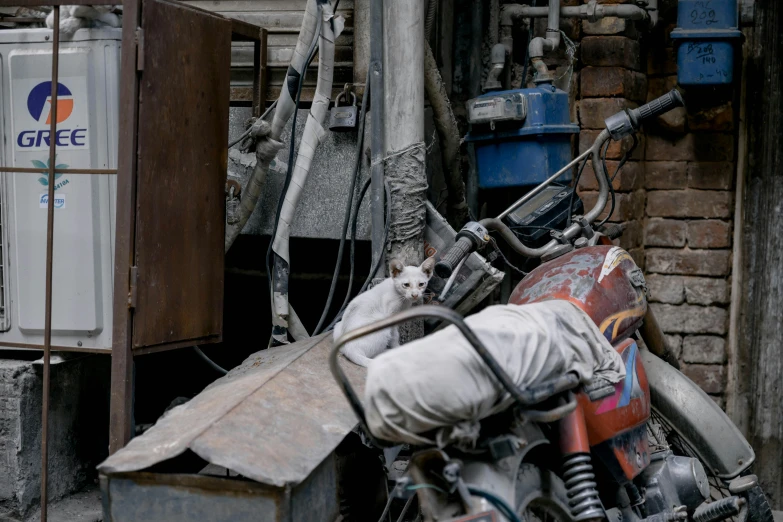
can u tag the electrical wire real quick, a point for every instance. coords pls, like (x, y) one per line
(611, 185)
(289, 174)
(387, 508)
(407, 504)
(496, 501)
(505, 259)
(346, 220)
(576, 184)
(377, 262)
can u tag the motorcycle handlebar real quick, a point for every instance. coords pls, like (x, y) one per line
(461, 249)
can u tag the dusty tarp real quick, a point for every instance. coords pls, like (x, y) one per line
(273, 419)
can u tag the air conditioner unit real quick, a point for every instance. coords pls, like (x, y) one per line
(84, 217)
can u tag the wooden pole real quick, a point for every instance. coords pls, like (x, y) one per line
(760, 332)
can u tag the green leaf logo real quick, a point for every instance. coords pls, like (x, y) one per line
(41, 165)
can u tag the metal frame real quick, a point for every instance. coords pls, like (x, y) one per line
(122, 348)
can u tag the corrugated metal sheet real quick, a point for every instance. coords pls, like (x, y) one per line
(282, 18)
(273, 419)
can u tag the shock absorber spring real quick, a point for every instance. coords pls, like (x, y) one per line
(581, 487)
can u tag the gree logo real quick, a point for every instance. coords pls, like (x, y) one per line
(39, 103)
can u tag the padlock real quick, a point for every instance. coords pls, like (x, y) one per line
(343, 118)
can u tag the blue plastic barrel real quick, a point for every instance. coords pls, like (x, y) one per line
(529, 153)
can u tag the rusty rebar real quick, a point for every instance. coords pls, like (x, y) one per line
(49, 253)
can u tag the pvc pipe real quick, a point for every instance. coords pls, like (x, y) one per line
(512, 12)
(551, 42)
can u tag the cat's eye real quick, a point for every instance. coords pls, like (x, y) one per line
(406, 285)
(421, 285)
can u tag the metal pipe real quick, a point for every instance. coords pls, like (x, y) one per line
(376, 143)
(512, 12)
(49, 253)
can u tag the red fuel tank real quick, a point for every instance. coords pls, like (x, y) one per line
(603, 281)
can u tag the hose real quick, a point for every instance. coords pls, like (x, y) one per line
(347, 218)
(313, 135)
(215, 366)
(429, 21)
(311, 23)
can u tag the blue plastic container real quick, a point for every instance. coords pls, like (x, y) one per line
(706, 33)
(527, 154)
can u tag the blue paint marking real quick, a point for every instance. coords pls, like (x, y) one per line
(630, 373)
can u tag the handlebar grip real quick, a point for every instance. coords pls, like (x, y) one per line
(662, 105)
(462, 248)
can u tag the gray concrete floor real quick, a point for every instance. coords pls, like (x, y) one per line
(84, 506)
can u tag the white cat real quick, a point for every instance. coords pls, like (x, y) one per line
(74, 17)
(394, 294)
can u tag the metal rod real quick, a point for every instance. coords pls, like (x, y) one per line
(49, 252)
(25, 170)
(543, 185)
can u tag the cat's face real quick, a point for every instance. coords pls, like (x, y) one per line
(411, 281)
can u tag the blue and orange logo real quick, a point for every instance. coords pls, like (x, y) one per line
(39, 103)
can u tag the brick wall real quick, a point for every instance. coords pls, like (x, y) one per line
(676, 195)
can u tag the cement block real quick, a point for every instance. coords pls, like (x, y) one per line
(78, 428)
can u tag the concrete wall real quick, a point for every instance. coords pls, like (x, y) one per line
(78, 417)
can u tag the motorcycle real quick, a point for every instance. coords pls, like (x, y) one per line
(651, 448)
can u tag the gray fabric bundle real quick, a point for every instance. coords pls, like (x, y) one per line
(439, 381)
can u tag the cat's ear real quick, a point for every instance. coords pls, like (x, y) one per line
(428, 266)
(396, 267)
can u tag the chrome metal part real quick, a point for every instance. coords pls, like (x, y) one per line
(719, 510)
(581, 487)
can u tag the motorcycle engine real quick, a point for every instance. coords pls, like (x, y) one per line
(672, 481)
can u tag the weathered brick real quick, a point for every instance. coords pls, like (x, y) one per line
(674, 342)
(690, 319)
(666, 289)
(690, 147)
(711, 175)
(665, 233)
(704, 349)
(593, 111)
(599, 82)
(715, 119)
(688, 262)
(709, 233)
(616, 150)
(631, 177)
(689, 203)
(629, 205)
(661, 61)
(710, 378)
(706, 291)
(665, 175)
(611, 51)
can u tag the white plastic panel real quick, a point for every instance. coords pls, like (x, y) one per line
(84, 204)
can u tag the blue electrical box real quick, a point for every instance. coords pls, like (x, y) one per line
(521, 136)
(705, 36)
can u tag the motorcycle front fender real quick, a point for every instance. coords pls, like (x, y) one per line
(697, 419)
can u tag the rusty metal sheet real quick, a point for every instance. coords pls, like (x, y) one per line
(182, 161)
(273, 419)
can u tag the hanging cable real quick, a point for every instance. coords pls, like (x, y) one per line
(250, 128)
(576, 183)
(377, 266)
(611, 185)
(215, 366)
(357, 167)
